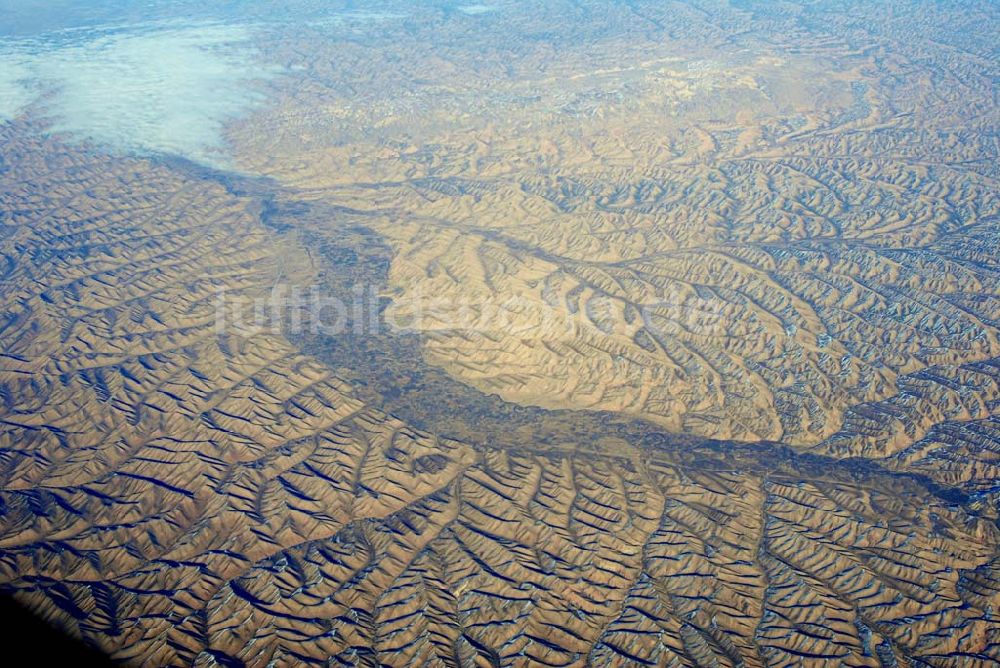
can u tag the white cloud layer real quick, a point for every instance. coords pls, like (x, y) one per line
(156, 88)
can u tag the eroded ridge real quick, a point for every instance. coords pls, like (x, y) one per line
(180, 495)
(736, 220)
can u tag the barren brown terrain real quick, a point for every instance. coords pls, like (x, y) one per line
(738, 246)
(675, 341)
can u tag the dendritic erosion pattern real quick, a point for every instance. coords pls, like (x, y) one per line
(179, 495)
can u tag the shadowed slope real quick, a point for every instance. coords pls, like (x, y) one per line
(174, 494)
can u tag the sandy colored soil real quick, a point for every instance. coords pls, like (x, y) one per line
(689, 356)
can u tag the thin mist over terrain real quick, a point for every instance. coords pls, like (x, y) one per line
(158, 88)
(448, 333)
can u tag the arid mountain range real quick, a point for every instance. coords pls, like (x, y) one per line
(570, 333)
